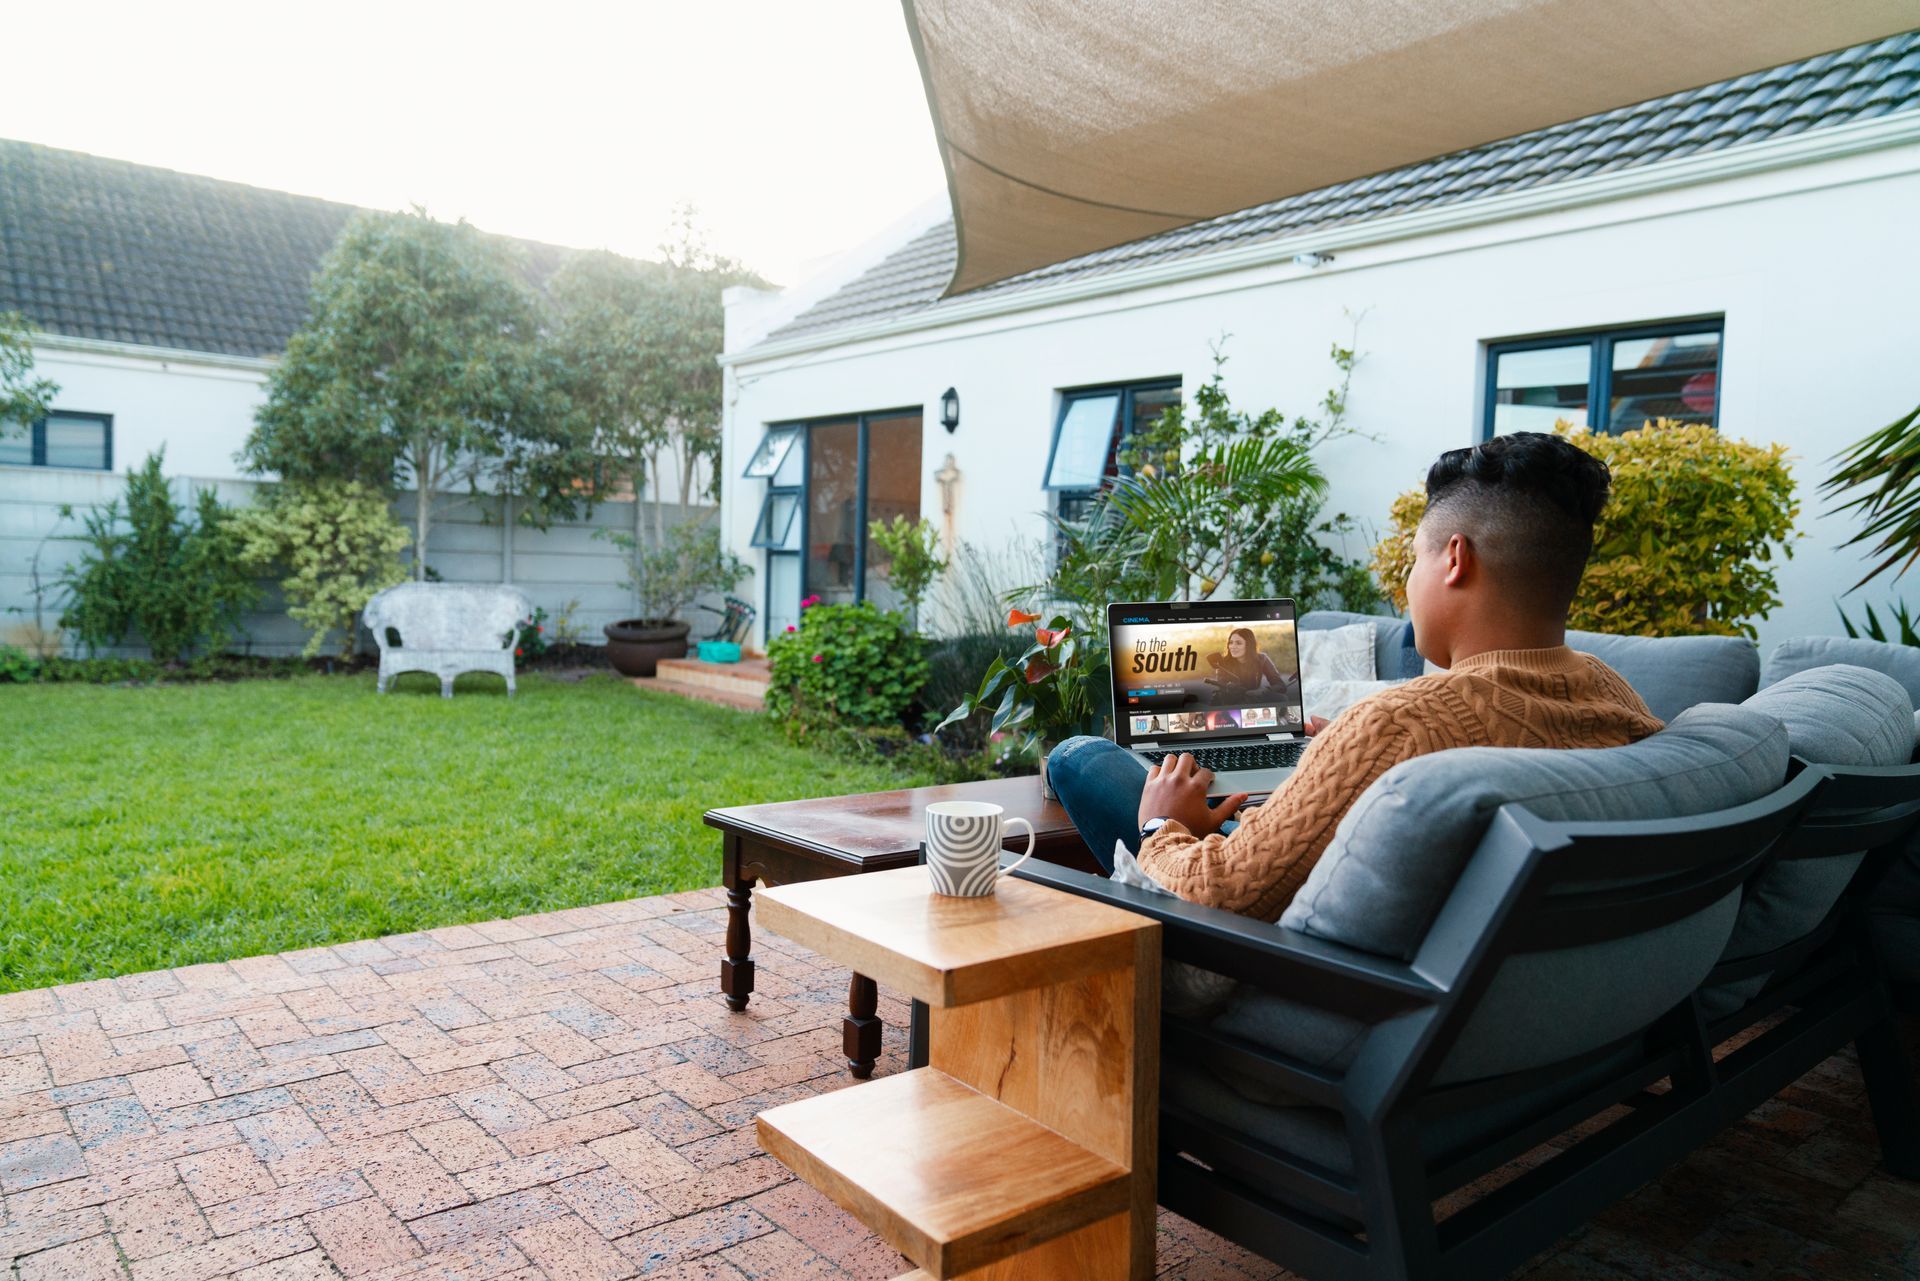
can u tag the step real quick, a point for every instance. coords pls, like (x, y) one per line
(951, 1178)
(702, 693)
(945, 951)
(749, 676)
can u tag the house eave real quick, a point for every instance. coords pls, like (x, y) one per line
(138, 351)
(1734, 162)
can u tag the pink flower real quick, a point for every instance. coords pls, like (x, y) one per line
(819, 658)
(792, 628)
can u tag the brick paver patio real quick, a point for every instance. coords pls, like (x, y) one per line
(566, 1096)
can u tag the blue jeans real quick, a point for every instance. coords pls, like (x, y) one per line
(1099, 785)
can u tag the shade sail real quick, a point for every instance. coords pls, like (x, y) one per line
(1069, 126)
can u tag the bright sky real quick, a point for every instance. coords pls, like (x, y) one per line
(797, 129)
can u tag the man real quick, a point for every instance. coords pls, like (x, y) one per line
(1498, 557)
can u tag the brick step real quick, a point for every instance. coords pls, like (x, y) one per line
(748, 678)
(701, 693)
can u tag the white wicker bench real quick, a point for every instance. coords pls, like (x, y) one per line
(446, 629)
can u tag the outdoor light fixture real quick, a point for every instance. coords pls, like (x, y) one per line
(950, 410)
(1311, 261)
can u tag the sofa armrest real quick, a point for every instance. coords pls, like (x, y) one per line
(1315, 971)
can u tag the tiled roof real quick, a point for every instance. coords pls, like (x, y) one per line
(96, 248)
(1835, 88)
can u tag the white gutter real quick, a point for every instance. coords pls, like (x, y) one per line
(139, 351)
(1663, 175)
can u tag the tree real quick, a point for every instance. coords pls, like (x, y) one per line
(639, 342)
(421, 364)
(23, 398)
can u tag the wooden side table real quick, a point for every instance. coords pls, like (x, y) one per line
(783, 842)
(1026, 1147)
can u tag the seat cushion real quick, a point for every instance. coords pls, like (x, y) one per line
(1673, 673)
(1834, 715)
(1399, 850)
(1901, 662)
(1394, 657)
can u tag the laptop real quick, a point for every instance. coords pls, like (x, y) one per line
(1219, 679)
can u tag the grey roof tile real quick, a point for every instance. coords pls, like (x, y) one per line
(107, 249)
(1847, 85)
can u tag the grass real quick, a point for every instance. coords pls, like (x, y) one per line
(154, 826)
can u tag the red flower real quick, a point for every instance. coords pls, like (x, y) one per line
(792, 628)
(539, 629)
(1047, 637)
(1015, 617)
(819, 658)
(519, 653)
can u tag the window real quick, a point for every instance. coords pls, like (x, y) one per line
(1087, 436)
(828, 480)
(1611, 380)
(64, 438)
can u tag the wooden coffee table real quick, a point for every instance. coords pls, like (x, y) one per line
(787, 842)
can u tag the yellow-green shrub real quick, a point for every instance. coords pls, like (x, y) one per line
(337, 544)
(1685, 546)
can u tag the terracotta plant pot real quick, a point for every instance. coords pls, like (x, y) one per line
(636, 645)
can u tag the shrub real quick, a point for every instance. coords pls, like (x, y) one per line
(336, 542)
(913, 559)
(180, 583)
(852, 664)
(17, 667)
(1685, 546)
(954, 666)
(531, 643)
(670, 575)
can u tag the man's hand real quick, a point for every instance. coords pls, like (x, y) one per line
(1177, 789)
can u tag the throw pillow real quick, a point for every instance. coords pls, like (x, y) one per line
(1337, 654)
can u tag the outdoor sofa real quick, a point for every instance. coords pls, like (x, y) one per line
(1502, 945)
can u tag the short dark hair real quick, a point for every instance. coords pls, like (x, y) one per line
(1526, 502)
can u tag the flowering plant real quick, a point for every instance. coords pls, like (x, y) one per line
(1056, 689)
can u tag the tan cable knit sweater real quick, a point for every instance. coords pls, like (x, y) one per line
(1503, 698)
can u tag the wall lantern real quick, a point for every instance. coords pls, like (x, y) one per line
(950, 410)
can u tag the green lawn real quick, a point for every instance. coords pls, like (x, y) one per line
(165, 825)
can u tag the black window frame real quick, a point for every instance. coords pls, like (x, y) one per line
(1064, 496)
(1600, 371)
(804, 444)
(37, 439)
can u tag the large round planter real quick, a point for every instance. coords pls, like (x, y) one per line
(636, 645)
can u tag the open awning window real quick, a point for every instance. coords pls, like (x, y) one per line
(773, 451)
(1070, 128)
(1083, 441)
(778, 528)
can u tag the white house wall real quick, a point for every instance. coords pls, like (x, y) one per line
(198, 410)
(1814, 270)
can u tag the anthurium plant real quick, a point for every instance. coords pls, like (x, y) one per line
(1056, 689)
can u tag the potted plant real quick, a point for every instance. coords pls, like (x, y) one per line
(667, 578)
(1056, 689)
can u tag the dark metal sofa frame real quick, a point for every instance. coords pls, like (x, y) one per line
(1530, 886)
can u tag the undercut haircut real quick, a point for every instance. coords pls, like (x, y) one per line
(1526, 502)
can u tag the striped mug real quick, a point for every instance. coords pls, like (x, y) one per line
(963, 847)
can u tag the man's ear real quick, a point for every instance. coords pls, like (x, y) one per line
(1458, 564)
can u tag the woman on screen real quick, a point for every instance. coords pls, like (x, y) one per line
(1243, 670)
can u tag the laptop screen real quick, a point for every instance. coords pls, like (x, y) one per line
(1209, 671)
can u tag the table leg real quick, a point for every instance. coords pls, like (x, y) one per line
(736, 968)
(860, 1030)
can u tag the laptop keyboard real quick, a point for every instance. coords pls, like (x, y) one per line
(1281, 755)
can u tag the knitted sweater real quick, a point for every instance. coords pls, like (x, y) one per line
(1502, 698)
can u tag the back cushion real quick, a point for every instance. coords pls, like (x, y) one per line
(1803, 653)
(1400, 848)
(1673, 673)
(1834, 716)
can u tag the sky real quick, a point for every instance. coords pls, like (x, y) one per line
(797, 130)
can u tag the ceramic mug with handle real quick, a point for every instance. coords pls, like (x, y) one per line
(963, 847)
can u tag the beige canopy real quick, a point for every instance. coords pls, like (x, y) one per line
(1069, 126)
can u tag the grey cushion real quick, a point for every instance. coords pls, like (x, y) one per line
(1394, 657)
(1802, 653)
(1673, 673)
(1398, 851)
(1835, 715)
